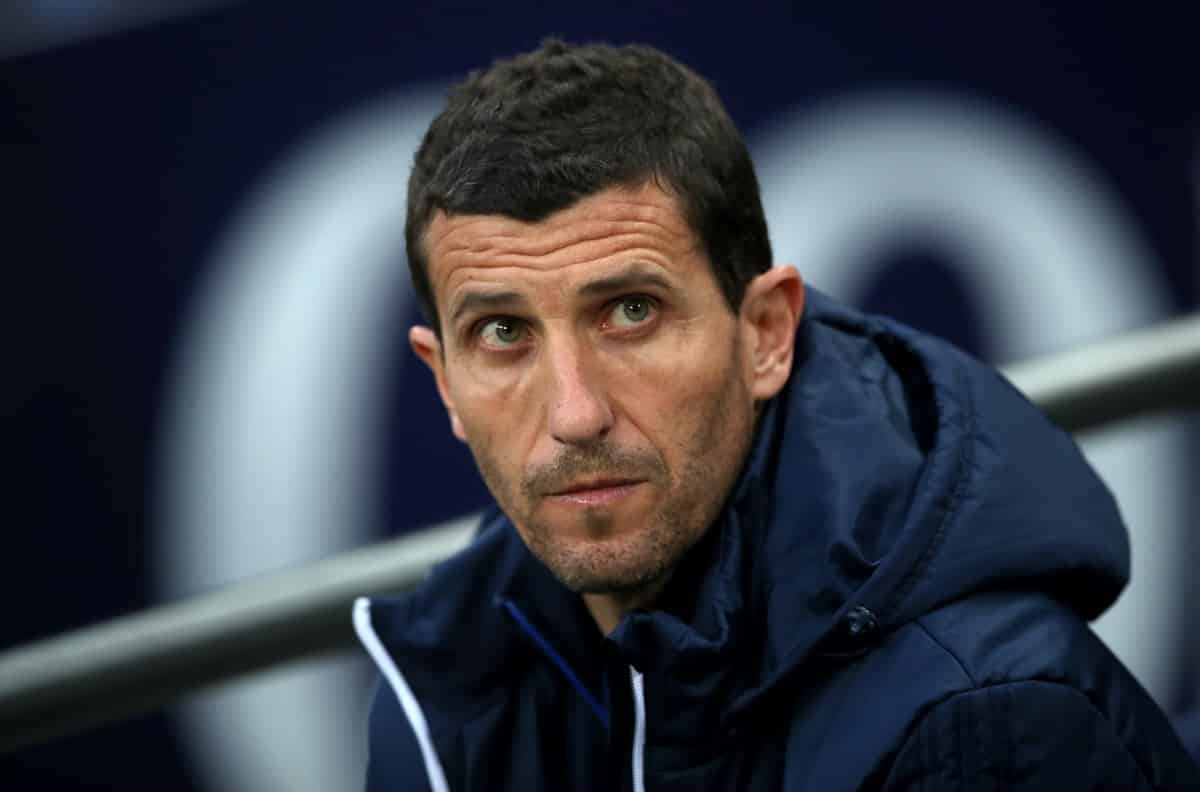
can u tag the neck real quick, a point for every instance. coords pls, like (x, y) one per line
(609, 608)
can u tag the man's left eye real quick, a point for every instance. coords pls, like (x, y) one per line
(631, 311)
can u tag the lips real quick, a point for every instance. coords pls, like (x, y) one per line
(595, 484)
(594, 493)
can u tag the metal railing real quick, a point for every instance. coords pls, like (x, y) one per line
(114, 670)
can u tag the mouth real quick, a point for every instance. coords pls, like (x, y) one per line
(595, 492)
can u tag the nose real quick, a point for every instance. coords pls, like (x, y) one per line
(579, 410)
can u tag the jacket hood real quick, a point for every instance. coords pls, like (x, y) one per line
(892, 476)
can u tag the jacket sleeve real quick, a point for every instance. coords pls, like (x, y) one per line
(394, 758)
(1026, 736)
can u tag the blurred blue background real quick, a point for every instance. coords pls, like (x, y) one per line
(205, 292)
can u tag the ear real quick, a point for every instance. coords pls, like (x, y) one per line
(426, 345)
(770, 313)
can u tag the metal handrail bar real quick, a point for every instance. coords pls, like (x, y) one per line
(132, 664)
(135, 663)
(1156, 369)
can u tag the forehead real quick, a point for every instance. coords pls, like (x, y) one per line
(613, 226)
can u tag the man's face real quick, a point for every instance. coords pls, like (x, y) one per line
(599, 377)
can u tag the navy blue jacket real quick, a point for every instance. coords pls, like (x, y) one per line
(894, 597)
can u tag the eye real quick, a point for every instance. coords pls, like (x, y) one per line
(502, 332)
(630, 311)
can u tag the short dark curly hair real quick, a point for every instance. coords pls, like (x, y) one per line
(535, 133)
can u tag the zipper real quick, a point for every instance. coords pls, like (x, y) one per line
(639, 730)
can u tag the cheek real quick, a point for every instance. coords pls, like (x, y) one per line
(496, 466)
(680, 394)
(498, 419)
(689, 356)
(482, 397)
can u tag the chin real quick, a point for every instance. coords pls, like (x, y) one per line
(610, 584)
(602, 568)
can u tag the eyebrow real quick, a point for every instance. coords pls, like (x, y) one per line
(636, 277)
(486, 301)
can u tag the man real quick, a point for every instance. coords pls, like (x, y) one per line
(747, 538)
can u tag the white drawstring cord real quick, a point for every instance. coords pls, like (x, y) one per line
(639, 730)
(412, 708)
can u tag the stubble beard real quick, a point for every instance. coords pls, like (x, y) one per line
(631, 559)
(689, 503)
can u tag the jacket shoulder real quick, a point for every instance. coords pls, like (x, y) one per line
(1031, 735)
(1046, 695)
